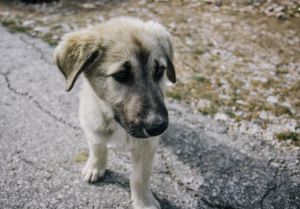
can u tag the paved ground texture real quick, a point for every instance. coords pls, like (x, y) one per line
(201, 163)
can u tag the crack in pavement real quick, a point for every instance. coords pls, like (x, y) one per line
(267, 193)
(218, 206)
(37, 104)
(15, 91)
(272, 188)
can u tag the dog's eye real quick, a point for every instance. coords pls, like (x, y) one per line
(123, 76)
(159, 72)
(120, 76)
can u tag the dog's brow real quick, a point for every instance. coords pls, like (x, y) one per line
(161, 61)
(114, 68)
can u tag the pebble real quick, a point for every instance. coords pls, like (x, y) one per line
(28, 23)
(272, 99)
(202, 103)
(88, 6)
(41, 29)
(263, 115)
(221, 116)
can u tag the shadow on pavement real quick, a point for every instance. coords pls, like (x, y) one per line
(118, 179)
(232, 178)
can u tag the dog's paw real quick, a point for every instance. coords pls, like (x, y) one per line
(149, 203)
(91, 172)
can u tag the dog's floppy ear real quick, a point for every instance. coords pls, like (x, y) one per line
(171, 74)
(169, 54)
(76, 52)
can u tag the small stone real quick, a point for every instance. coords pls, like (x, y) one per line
(279, 9)
(221, 116)
(276, 165)
(241, 102)
(41, 29)
(261, 79)
(28, 23)
(286, 104)
(132, 10)
(178, 152)
(172, 25)
(263, 115)
(272, 99)
(66, 27)
(88, 6)
(142, 2)
(214, 193)
(203, 103)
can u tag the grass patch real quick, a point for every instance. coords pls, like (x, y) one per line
(214, 58)
(295, 87)
(281, 110)
(289, 135)
(81, 157)
(13, 26)
(200, 50)
(200, 79)
(48, 39)
(211, 110)
(238, 53)
(230, 113)
(174, 95)
(235, 84)
(281, 69)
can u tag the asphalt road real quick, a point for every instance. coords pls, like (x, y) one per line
(200, 163)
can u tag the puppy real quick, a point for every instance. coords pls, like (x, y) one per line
(125, 63)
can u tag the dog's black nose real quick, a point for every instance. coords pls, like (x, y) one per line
(157, 127)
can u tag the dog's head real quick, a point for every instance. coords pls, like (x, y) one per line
(126, 62)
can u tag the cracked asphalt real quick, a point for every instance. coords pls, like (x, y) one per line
(201, 164)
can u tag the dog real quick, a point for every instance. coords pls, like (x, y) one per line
(125, 64)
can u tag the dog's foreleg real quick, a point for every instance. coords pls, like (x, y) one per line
(96, 163)
(143, 152)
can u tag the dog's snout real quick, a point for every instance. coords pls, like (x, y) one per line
(156, 127)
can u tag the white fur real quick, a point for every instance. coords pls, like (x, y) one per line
(92, 113)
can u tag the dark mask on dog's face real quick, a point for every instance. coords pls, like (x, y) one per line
(143, 112)
(134, 89)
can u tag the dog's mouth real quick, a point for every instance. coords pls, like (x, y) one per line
(142, 130)
(143, 133)
(137, 133)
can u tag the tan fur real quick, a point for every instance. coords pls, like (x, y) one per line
(112, 43)
(133, 107)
